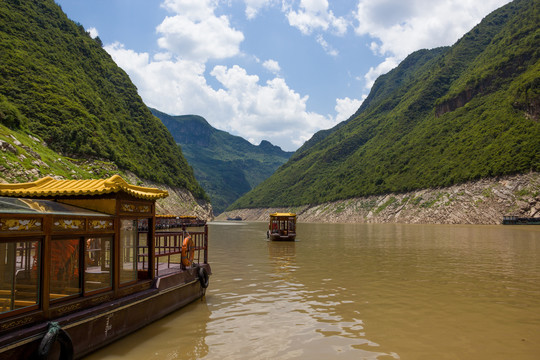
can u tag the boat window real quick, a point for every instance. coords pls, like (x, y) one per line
(97, 264)
(291, 225)
(19, 274)
(128, 248)
(142, 249)
(64, 275)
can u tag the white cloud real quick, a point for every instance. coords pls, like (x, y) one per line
(196, 10)
(196, 33)
(314, 15)
(93, 32)
(326, 47)
(253, 7)
(272, 66)
(346, 107)
(402, 27)
(271, 111)
(374, 72)
(243, 106)
(175, 87)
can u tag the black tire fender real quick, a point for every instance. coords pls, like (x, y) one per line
(204, 279)
(56, 333)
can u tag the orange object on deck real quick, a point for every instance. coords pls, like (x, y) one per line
(188, 251)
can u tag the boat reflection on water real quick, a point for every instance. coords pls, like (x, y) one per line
(282, 254)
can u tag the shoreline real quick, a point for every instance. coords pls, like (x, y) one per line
(481, 202)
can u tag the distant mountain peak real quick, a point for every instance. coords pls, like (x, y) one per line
(226, 165)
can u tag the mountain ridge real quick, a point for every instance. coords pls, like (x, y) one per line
(396, 143)
(226, 165)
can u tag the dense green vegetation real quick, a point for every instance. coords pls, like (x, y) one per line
(443, 116)
(227, 166)
(57, 82)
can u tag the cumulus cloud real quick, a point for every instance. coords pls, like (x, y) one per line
(196, 33)
(270, 111)
(374, 72)
(197, 10)
(93, 32)
(242, 106)
(253, 7)
(346, 107)
(272, 66)
(314, 15)
(402, 27)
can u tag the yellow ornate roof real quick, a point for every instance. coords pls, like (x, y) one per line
(48, 186)
(170, 216)
(283, 214)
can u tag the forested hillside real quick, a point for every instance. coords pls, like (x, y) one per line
(442, 117)
(58, 84)
(226, 166)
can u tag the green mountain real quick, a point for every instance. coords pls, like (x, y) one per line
(57, 83)
(442, 117)
(227, 166)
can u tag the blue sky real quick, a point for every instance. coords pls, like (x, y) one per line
(278, 70)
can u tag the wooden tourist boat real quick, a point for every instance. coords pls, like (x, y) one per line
(282, 226)
(82, 264)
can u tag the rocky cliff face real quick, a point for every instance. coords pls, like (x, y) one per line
(479, 202)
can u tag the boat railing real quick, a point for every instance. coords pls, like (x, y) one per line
(168, 250)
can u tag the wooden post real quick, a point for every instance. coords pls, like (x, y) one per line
(116, 256)
(152, 243)
(206, 244)
(46, 265)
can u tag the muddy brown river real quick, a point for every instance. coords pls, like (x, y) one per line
(366, 291)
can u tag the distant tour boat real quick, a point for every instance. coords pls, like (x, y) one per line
(84, 262)
(515, 220)
(237, 218)
(282, 226)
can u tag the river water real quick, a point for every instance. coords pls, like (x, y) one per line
(357, 291)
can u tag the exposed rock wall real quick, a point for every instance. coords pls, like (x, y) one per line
(480, 202)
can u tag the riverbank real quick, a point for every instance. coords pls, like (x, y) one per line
(484, 201)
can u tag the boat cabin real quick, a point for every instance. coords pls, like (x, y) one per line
(282, 226)
(70, 245)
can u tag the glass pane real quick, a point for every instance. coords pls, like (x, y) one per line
(97, 266)
(65, 256)
(128, 246)
(142, 248)
(19, 275)
(34, 206)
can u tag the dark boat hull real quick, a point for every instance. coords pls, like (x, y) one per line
(277, 237)
(99, 326)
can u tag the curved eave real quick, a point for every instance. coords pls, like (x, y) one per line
(49, 187)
